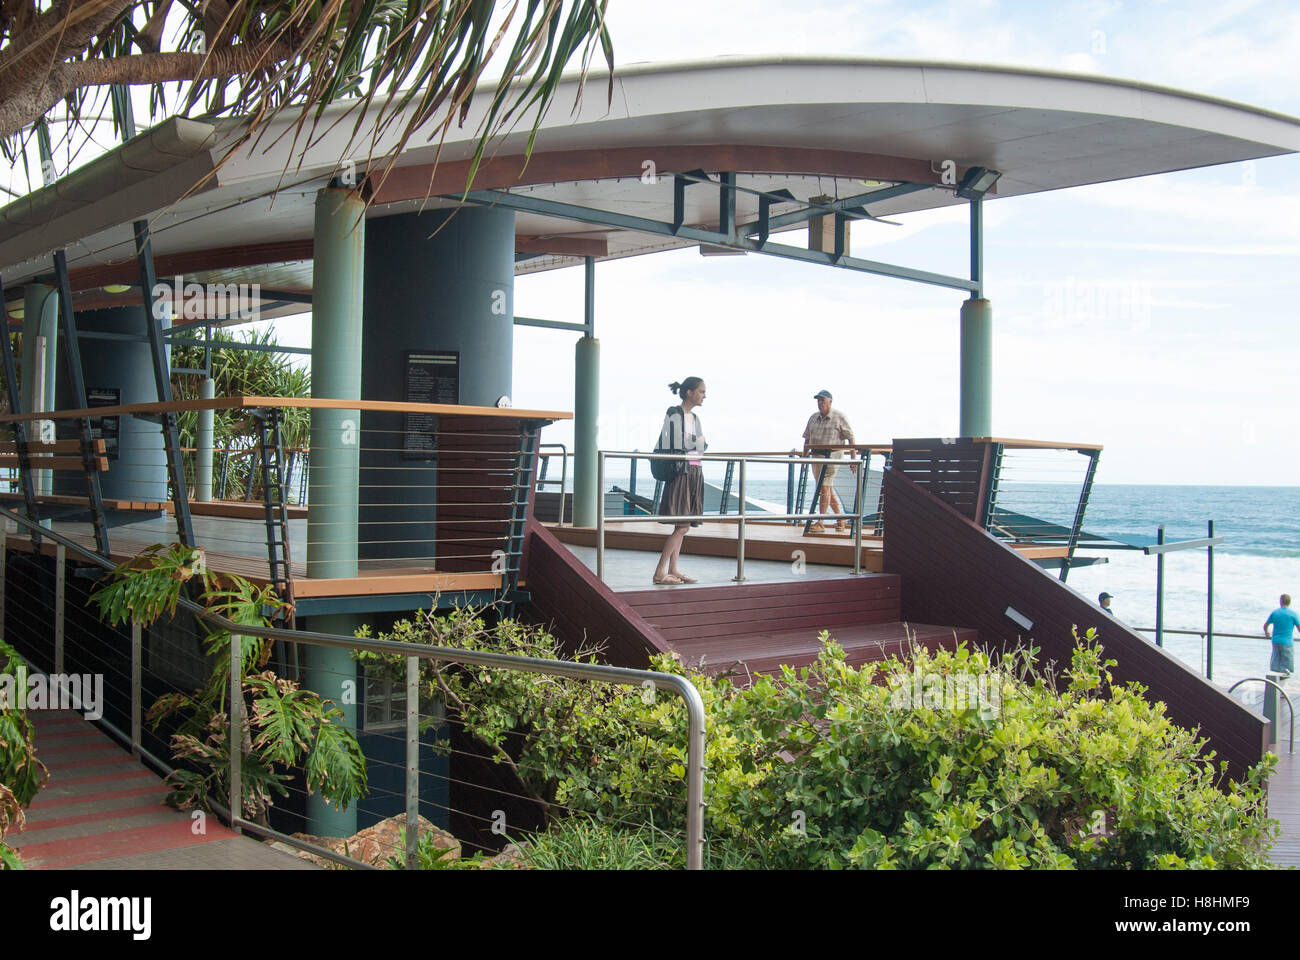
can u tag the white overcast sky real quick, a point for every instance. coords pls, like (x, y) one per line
(1155, 316)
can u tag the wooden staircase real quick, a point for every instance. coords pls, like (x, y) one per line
(756, 627)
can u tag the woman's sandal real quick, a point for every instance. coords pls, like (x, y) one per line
(684, 578)
(669, 579)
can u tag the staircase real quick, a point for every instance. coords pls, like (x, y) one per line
(757, 627)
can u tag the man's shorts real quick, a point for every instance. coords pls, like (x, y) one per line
(831, 468)
(1283, 658)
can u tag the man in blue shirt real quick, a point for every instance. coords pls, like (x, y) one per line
(1283, 621)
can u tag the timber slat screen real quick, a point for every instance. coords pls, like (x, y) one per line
(580, 608)
(957, 573)
(955, 471)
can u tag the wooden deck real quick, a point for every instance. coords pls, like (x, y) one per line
(246, 557)
(1284, 805)
(763, 541)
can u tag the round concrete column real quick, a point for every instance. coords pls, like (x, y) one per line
(977, 368)
(436, 283)
(339, 243)
(586, 413)
(126, 366)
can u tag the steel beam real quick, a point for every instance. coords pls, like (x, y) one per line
(163, 382)
(848, 205)
(569, 211)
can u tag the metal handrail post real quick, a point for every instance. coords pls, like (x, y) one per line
(412, 762)
(60, 590)
(1290, 708)
(740, 530)
(857, 514)
(600, 515)
(137, 657)
(1209, 604)
(1160, 589)
(236, 732)
(4, 573)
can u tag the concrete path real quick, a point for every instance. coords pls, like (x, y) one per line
(102, 810)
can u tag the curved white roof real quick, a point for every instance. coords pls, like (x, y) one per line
(837, 127)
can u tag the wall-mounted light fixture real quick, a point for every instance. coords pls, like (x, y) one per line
(977, 182)
(1020, 620)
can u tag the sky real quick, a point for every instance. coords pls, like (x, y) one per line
(1154, 316)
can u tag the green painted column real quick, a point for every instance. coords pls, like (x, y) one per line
(586, 411)
(203, 445)
(977, 368)
(40, 317)
(337, 290)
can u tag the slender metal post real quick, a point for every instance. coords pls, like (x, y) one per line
(1160, 588)
(137, 656)
(857, 519)
(60, 577)
(236, 733)
(740, 530)
(412, 762)
(789, 485)
(1209, 603)
(600, 516)
(694, 777)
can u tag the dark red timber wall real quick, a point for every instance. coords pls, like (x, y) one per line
(953, 572)
(580, 607)
(477, 459)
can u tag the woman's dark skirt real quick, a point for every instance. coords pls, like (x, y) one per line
(684, 495)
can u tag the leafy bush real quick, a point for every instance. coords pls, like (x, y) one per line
(829, 767)
(21, 774)
(285, 727)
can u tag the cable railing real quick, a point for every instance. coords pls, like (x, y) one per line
(425, 768)
(403, 490)
(742, 516)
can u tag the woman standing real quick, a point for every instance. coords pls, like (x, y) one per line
(684, 494)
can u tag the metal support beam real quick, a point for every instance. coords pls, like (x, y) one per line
(848, 204)
(727, 205)
(72, 346)
(977, 246)
(569, 211)
(589, 295)
(163, 382)
(550, 324)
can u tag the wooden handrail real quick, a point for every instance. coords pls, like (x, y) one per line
(308, 403)
(1037, 444)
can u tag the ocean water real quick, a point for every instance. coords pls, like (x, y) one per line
(1259, 559)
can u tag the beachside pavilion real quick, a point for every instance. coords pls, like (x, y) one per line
(410, 282)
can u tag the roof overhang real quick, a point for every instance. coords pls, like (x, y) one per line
(816, 127)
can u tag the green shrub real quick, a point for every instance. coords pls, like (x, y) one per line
(283, 726)
(834, 766)
(21, 774)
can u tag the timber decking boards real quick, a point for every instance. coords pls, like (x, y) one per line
(1284, 804)
(862, 643)
(394, 577)
(763, 541)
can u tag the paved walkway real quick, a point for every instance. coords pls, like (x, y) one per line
(103, 810)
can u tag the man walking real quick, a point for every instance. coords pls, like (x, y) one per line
(827, 429)
(1283, 621)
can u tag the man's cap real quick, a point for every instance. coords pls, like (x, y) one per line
(823, 395)
(1104, 596)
